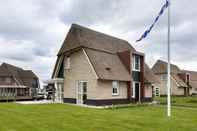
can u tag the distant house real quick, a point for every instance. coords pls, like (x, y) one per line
(191, 77)
(97, 69)
(183, 83)
(16, 83)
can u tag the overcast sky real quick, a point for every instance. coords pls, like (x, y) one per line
(32, 31)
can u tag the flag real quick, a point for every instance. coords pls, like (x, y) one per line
(155, 21)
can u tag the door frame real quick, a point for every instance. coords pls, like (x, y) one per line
(80, 100)
(134, 90)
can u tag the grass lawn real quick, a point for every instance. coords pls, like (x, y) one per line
(63, 117)
(180, 101)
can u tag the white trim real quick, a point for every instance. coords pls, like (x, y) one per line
(90, 63)
(133, 63)
(117, 87)
(134, 96)
(174, 80)
(12, 86)
(81, 93)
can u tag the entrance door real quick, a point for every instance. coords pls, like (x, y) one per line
(81, 92)
(136, 91)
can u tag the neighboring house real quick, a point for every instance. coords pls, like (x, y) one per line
(97, 69)
(180, 79)
(192, 78)
(16, 83)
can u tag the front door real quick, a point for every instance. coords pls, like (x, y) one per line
(81, 92)
(136, 91)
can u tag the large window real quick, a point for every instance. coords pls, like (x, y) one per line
(136, 63)
(164, 77)
(115, 87)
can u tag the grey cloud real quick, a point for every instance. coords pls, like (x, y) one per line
(36, 29)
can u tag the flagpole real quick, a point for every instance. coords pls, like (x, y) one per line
(169, 82)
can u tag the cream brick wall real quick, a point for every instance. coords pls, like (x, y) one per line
(175, 89)
(148, 90)
(103, 90)
(82, 70)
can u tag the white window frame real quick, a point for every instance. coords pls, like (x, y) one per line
(116, 85)
(67, 62)
(134, 67)
(164, 77)
(81, 90)
(157, 93)
(133, 96)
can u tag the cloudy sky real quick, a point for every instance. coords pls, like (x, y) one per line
(32, 31)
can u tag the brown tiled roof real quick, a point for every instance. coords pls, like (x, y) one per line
(149, 75)
(79, 36)
(178, 80)
(4, 71)
(108, 66)
(161, 67)
(102, 51)
(22, 77)
(193, 77)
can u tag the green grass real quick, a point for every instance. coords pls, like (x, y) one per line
(57, 117)
(180, 101)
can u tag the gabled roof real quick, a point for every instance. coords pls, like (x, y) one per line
(149, 75)
(193, 77)
(178, 80)
(108, 66)
(102, 50)
(161, 67)
(22, 77)
(79, 36)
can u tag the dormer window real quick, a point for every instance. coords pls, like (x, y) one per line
(136, 63)
(67, 62)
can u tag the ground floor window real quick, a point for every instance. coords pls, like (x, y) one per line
(157, 91)
(115, 87)
(81, 91)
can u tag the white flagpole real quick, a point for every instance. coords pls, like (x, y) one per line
(169, 82)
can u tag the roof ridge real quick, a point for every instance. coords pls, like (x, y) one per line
(89, 29)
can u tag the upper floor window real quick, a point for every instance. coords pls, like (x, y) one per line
(164, 77)
(136, 63)
(187, 78)
(115, 87)
(67, 62)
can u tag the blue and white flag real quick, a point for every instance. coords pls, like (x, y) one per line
(156, 19)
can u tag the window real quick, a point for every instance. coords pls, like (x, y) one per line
(157, 93)
(164, 77)
(115, 87)
(82, 92)
(187, 78)
(136, 63)
(67, 62)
